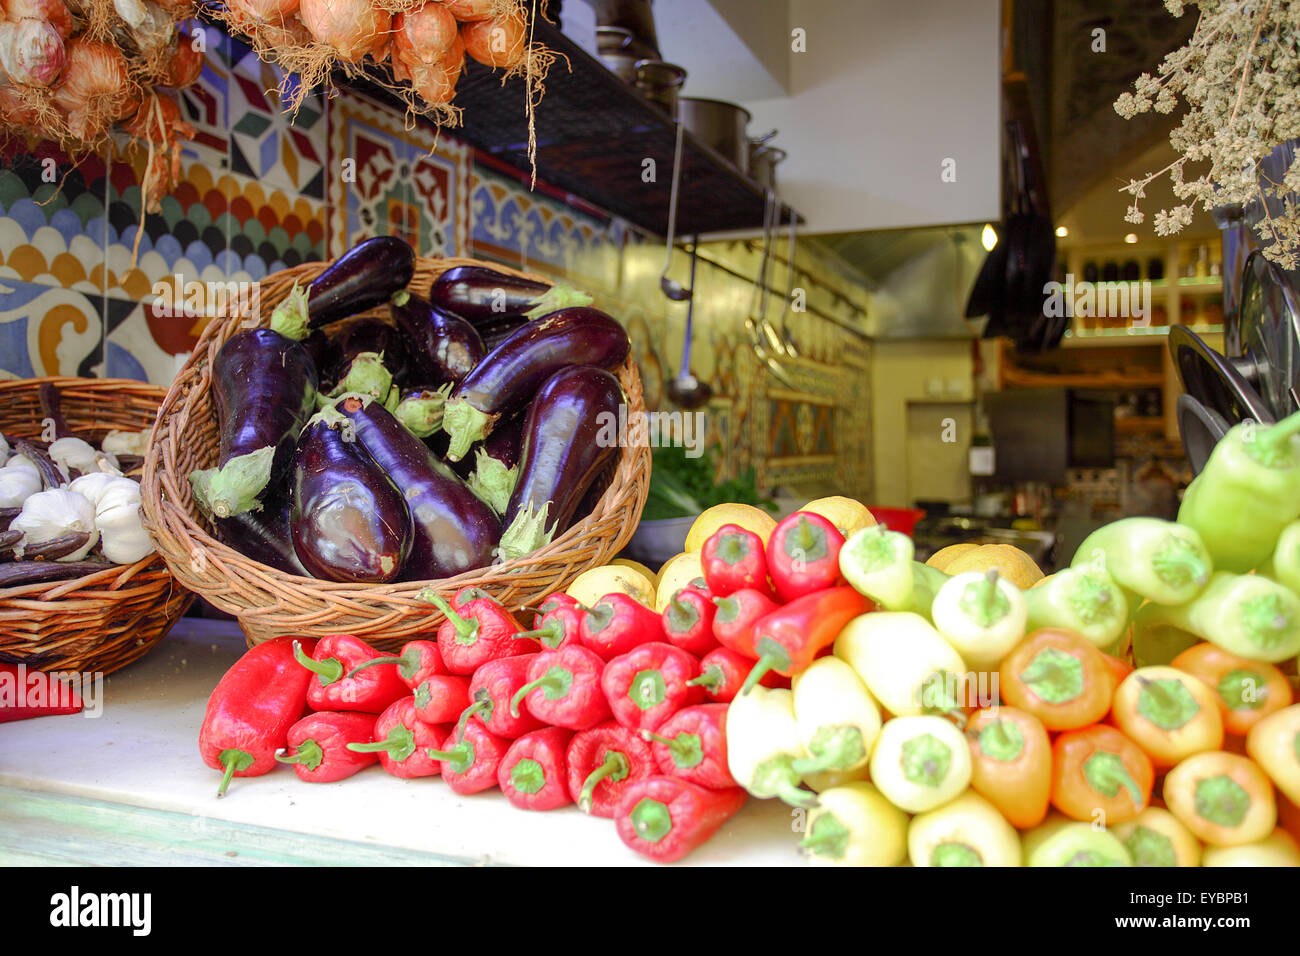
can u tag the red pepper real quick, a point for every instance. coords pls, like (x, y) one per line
(402, 741)
(602, 762)
(803, 555)
(470, 759)
(320, 745)
(688, 621)
(738, 612)
(692, 745)
(617, 623)
(334, 688)
(418, 660)
(48, 697)
(492, 688)
(471, 593)
(475, 632)
(723, 673)
(733, 559)
(252, 708)
(648, 684)
(563, 688)
(557, 628)
(533, 774)
(665, 818)
(442, 698)
(790, 639)
(557, 599)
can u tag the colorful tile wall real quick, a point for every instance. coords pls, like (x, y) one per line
(262, 190)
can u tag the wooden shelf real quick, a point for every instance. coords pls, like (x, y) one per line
(1020, 378)
(1123, 338)
(1144, 425)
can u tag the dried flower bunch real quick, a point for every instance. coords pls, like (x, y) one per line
(1240, 77)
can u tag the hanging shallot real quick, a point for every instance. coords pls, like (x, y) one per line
(150, 25)
(423, 36)
(501, 42)
(31, 52)
(96, 90)
(183, 66)
(53, 12)
(467, 10)
(353, 28)
(158, 124)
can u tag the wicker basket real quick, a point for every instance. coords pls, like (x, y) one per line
(103, 621)
(270, 603)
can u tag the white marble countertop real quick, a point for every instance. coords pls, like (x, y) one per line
(142, 752)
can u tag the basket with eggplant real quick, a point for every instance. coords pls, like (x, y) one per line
(387, 423)
(81, 587)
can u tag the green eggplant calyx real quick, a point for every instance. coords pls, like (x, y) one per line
(1150, 848)
(1054, 676)
(331, 417)
(955, 854)
(368, 375)
(1265, 620)
(233, 760)
(827, 836)
(1221, 800)
(422, 414)
(492, 481)
(330, 670)
(1166, 703)
(399, 744)
(309, 755)
(234, 487)
(526, 533)
(982, 602)
(1106, 773)
(614, 768)
(466, 425)
(832, 748)
(1002, 740)
(528, 776)
(290, 317)
(1178, 563)
(651, 820)
(1240, 689)
(925, 760)
(400, 297)
(555, 298)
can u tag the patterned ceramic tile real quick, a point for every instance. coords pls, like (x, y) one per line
(46, 330)
(205, 104)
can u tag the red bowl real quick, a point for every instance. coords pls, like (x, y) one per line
(902, 520)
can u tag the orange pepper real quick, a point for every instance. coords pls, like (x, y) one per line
(1098, 771)
(1247, 691)
(1224, 799)
(1170, 714)
(1059, 677)
(1118, 667)
(1011, 763)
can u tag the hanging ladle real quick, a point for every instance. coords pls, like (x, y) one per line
(686, 390)
(671, 287)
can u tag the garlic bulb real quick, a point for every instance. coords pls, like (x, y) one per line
(4, 450)
(74, 453)
(47, 515)
(121, 526)
(18, 483)
(119, 442)
(92, 486)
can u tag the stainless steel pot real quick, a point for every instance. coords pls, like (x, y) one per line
(762, 164)
(720, 125)
(634, 16)
(660, 83)
(617, 52)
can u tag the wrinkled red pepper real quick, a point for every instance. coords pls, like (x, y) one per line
(470, 760)
(491, 689)
(563, 688)
(417, 660)
(688, 621)
(738, 612)
(475, 632)
(723, 673)
(333, 687)
(533, 774)
(789, 639)
(602, 762)
(665, 818)
(692, 745)
(556, 628)
(252, 708)
(617, 623)
(441, 699)
(803, 555)
(402, 742)
(733, 559)
(320, 746)
(557, 599)
(648, 684)
(52, 701)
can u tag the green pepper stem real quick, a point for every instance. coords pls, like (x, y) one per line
(309, 755)
(447, 755)
(226, 777)
(375, 746)
(1272, 435)
(796, 796)
(523, 692)
(328, 670)
(756, 674)
(983, 602)
(232, 759)
(711, 677)
(475, 708)
(376, 660)
(615, 767)
(549, 634)
(465, 628)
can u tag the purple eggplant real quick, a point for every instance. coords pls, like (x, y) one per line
(264, 388)
(368, 335)
(347, 519)
(263, 534)
(362, 278)
(482, 296)
(453, 530)
(493, 465)
(570, 437)
(510, 375)
(446, 347)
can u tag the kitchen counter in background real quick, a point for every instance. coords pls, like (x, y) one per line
(128, 788)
